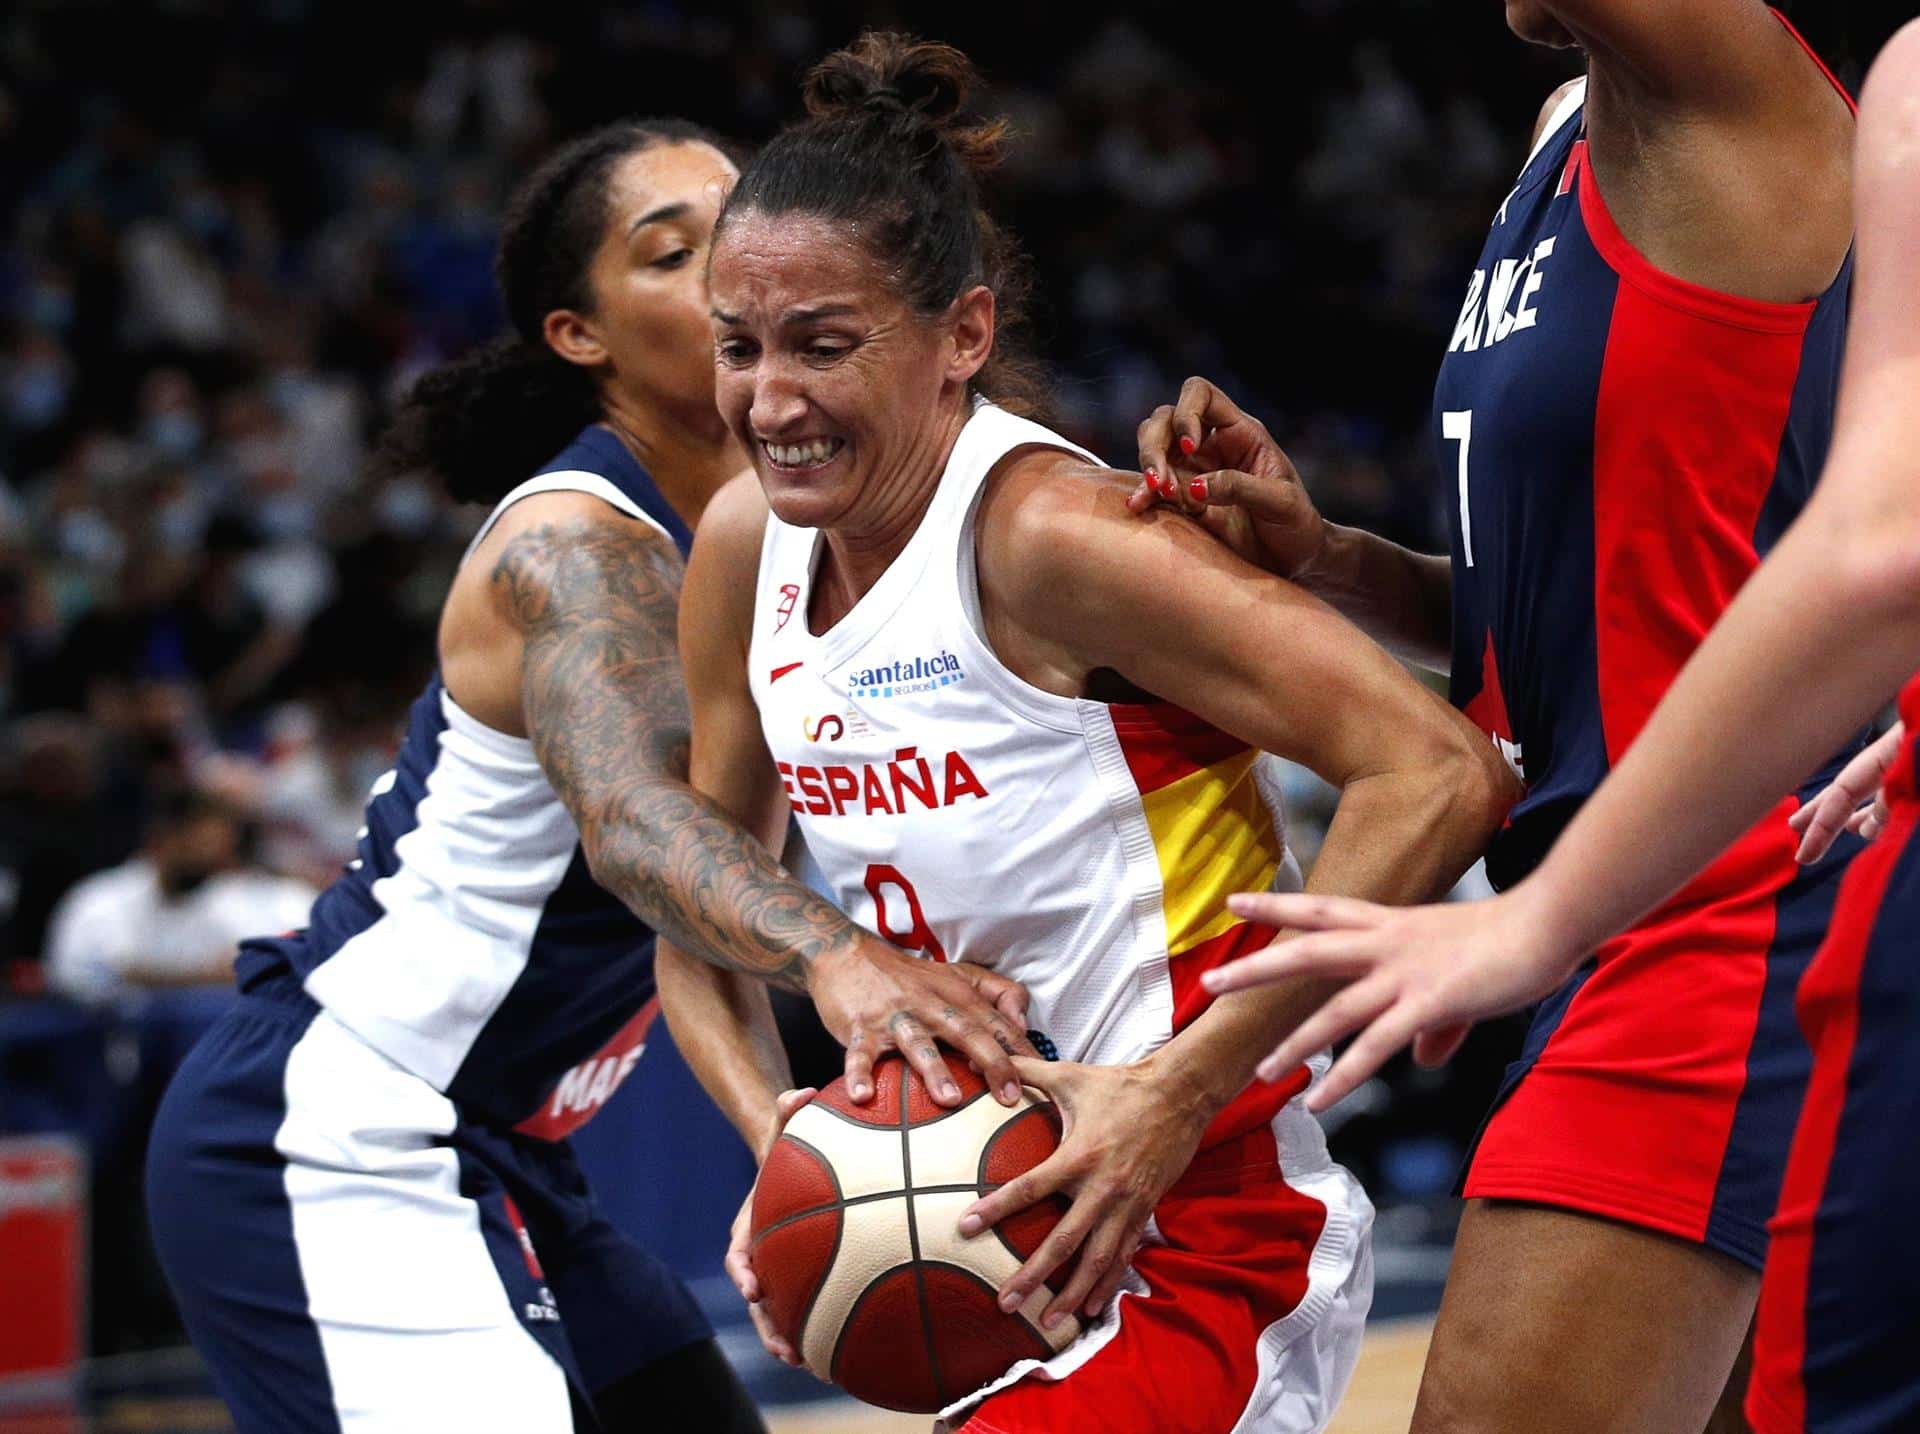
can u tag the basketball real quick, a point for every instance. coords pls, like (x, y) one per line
(856, 1242)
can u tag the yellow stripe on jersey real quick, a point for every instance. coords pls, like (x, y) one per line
(1213, 834)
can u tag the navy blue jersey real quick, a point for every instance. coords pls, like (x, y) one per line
(1620, 449)
(467, 940)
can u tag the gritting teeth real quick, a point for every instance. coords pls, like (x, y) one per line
(793, 455)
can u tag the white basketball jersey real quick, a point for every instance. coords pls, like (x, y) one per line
(1083, 849)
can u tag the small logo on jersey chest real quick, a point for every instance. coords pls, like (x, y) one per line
(833, 726)
(906, 677)
(789, 596)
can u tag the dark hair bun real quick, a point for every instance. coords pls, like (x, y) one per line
(887, 73)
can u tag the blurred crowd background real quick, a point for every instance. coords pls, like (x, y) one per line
(232, 233)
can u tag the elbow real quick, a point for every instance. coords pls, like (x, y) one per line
(1480, 788)
(1879, 577)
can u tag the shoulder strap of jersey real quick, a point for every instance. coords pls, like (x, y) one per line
(568, 481)
(1569, 105)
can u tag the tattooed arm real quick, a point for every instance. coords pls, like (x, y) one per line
(596, 604)
(581, 603)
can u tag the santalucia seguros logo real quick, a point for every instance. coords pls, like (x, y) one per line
(901, 679)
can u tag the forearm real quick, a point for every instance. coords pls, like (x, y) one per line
(1802, 658)
(694, 874)
(1403, 600)
(723, 1025)
(1398, 838)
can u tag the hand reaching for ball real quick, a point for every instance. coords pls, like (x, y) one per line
(1125, 1139)
(739, 1265)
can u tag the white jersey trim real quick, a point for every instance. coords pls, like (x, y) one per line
(1575, 97)
(567, 480)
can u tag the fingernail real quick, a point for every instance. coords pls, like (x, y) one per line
(1268, 1072)
(1009, 1303)
(969, 1225)
(1197, 489)
(1212, 980)
(1153, 479)
(949, 1091)
(1011, 1090)
(1052, 1321)
(860, 1092)
(1187, 445)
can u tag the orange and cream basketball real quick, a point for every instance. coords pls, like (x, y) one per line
(855, 1238)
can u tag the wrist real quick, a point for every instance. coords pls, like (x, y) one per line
(1332, 561)
(1184, 1086)
(1552, 917)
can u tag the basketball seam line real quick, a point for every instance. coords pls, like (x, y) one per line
(850, 1201)
(913, 1240)
(945, 1113)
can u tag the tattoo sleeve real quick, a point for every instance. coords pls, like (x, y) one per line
(607, 709)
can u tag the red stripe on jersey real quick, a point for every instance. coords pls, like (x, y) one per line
(1829, 1008)
(1259, 1102)
(1686, 439)
(1164, 743)
(1576, 161)
(1903, 778)
(1757, 315)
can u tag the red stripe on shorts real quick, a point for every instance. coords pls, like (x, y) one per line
(1829, 1009)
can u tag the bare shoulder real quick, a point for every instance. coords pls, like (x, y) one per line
(553, 562)
(717, 613)
(1889, 113)
(1045, 512)
(734, 524)
(1055, 536)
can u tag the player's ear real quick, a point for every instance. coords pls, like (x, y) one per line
(971, 333)
(574, 337)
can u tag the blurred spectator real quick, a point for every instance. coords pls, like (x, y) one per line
(58, 824)
(172, 915)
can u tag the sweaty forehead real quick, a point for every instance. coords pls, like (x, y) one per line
(764, 266)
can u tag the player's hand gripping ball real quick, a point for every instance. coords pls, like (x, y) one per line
(856, 1246)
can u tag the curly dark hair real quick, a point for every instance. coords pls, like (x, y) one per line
(486, 421)
(890, 145)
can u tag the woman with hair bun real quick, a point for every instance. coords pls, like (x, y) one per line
(360, 1182)
(1019, 772)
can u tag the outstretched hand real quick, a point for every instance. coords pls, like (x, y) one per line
(1421, 975)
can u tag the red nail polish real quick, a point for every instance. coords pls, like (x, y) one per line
(1197, 489)
(1187, 445)
(1153, 479)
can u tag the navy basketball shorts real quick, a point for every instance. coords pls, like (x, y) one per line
(352, 1253)
(1836, 1347)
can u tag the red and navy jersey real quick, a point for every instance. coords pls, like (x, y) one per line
(1620, 449)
